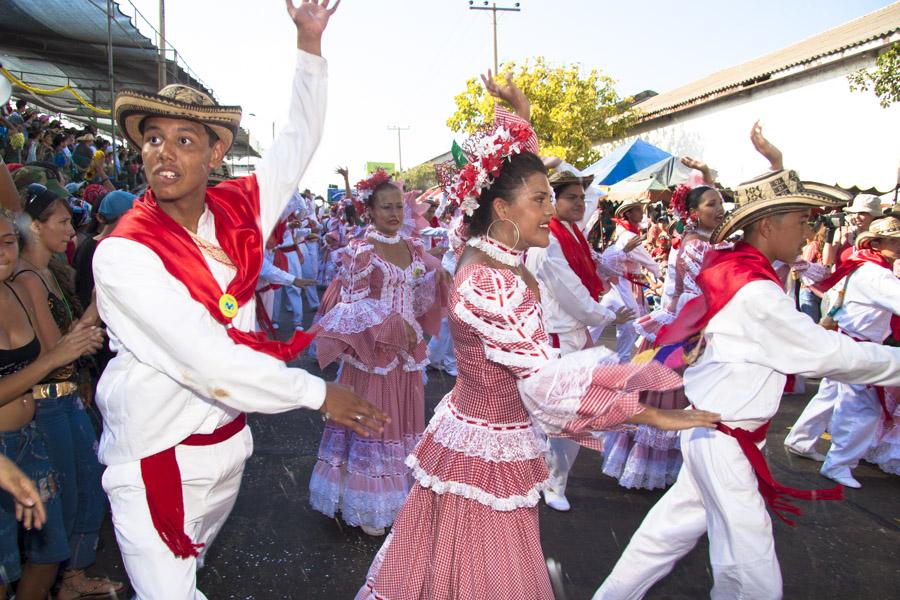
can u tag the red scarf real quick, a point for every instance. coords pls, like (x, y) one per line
(627, 225)
(235, 207)
(724, 272)
(850, 264)
(578, 255)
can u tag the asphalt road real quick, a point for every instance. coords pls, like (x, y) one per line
(275, 546)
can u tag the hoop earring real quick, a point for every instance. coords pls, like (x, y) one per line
(516, 227)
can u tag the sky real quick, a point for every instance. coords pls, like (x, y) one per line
(401, 62)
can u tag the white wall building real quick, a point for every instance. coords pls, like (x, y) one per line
(801, 94)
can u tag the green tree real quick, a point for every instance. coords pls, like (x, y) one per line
(570, 111)
(420, 177)
(884, 79)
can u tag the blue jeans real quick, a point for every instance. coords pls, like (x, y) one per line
(810, 304)
(47, 545)
(71, 443)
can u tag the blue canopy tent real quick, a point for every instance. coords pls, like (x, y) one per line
(624, 161)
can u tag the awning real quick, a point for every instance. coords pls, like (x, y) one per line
(624, 161)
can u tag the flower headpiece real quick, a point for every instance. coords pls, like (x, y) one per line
(677, 206)
(486, 151)
(366, 186)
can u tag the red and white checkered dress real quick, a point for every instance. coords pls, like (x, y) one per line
(469, 527)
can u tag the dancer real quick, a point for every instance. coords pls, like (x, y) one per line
(750, 329)
(391, 293)
(469, 527)
(188, 363)
(630, 286)
(573, 298)
(869, 310)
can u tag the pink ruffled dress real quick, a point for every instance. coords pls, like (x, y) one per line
(469, 527)
(364, 327)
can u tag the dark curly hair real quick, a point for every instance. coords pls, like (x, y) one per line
(505, 186)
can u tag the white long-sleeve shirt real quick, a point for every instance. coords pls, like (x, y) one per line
(757, 339)
(271, 274)
(566, 303)
(871, 299)
(176, 372)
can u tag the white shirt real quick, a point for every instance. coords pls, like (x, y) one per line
(757, 339)
(177, 372)
(271, 274)
(566, 303)
(637, 257)
(871, 299)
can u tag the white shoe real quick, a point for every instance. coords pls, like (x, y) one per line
(556, 501)
(845, 480)
(811, 454)
(373, 531)
(275, 325)
(300, 328)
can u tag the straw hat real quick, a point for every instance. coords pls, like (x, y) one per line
(880, 228)
(865, 203)
(767, 195)
(628, 205)
(175, 101)
(87, 137)
(564, 177)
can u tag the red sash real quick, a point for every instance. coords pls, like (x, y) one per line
(235, 207)
(578, 255)
(724, 272)
(772, 491)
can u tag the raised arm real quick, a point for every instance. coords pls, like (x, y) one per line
(286, 160)
(509, 93)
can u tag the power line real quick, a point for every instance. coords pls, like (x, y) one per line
(494, 9)
(398, 129)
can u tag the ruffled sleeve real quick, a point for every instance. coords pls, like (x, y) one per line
(359, 326)
(498, 306)
(589, 391)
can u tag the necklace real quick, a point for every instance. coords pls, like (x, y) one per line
(497, 251)
(211, 250)
(384, 239)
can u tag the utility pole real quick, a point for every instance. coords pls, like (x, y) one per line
(162, 44)
(398, 129)
(494, 8)
(112, 86)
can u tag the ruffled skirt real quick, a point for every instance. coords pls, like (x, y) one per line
(366, 479)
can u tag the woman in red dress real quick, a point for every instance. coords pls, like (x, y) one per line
(469, 527)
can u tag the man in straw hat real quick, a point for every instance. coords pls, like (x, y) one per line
(869, 311)
(627, 241)
(752, 335)
(864, 209)
(575, 298)
(175, 285)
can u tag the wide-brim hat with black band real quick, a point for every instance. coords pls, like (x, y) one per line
(886, 227)
(561, 178)
(772, 194)
(175, 101)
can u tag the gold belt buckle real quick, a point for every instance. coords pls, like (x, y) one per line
(53, 390)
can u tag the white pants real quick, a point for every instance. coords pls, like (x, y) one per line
(715, 493)
(563, 452)
(853, 427)
(814, 419)
(310, 270)
(626, 338)
(440, 349)
(211, 478)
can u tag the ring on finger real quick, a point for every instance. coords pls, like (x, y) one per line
(326, 416)
(358, 418)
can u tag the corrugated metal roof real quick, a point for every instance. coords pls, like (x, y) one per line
(874, 26)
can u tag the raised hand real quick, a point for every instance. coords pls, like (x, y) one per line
(343, 172)
(311, 18)
(766, 148)
(698, 165)
(344, 407)
(509, 92)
